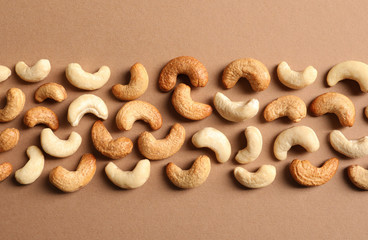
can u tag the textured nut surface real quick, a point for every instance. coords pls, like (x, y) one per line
(254, 146)
(71, 181)
(33, 168)
(5, 170)
(308, 175)
(85, 80)
(253, 70)
(355, 148)
(154, 149)
(335, 103)
(138, 110)
(36, 73)
(106, 145)
(191, 178)
(51, 90)
(129, 179)
(5, 73)
(290, 106)
(41, 115)
(137, 86)
(186, 107)
(189, 66)
(15, 100)
(8, 139)
(296, 80)
(358, 176)
(263, 177)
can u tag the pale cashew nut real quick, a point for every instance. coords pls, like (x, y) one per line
(299, 135)
(5, 170)
(15, 100)
(306, 174)
(87, 103)
(191, 178)
(85, 80)
(355, 148)
(235, 111)
(291, 106)
(190, 66)
(41, 115)
(8, 139)
(160, 149)
(33, 168)
(5, 72)
(214, 140)
(186, 107)
(254, 146)
(263, 177)
(336, 103)
(129, 179)
(56, 147)
(51, 90)
(137, 86)
(293, 79)
(358, 176)
(36, 73)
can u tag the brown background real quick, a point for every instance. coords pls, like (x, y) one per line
(120, 33)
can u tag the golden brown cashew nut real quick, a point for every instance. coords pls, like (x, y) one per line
(33, 168)
(137, 86)
(15, 100)
(8, 139)
(50, 90)
(85, 80)
(5, 170)
(190, 66)
(263, 177)
(253, 70)
(36, 73)
(291, 106)
(293, 79)
(358, 176)
(336, 103)
(254, 146)
(41, 115)
(5, 72)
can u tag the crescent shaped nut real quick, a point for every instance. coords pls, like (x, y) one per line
(254, 146)
(33, 168)
(51, 90)
(41, 115)
(15, 100)
(85, 80)
(358, 176)
(291, 106)
(5, 73)
(296, 80)
(5, 170)
(36, 73)
(355, 148)
(8, 139)
(263, 177)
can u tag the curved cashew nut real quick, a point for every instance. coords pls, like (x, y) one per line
(15, 100)
(5, 72)
(159, 149)
(50, 90)
(186, 107)
(129, 179)
(291, 106)
(5, 170)
(355, 148)
(296, 80)
(308, 175)
(214, 140)
(253, 70)
(71, 181)
(254, 146)
(235, 111)
(33, 168)
(264, 176)
(36, 73)
(56, 147)
(191, 178)
(137, 86)
(87, 103)
(41, 115)
(336, 103)
(358, 176)
(8, 139)
(299, 135)
(138, 110)
(84, 80)
(190, 66)
(106, 145)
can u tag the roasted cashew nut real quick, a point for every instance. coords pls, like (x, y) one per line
(41, 115)
(33, 168)
(296, 80)
(15, 100)
(291, 106)
(5, 170)
(36, 73)
(358, 176)
(264, 176)
(84, 80)
(8, 139)
(254, 146)
(51, 90)
(5, 73)
(355, 148)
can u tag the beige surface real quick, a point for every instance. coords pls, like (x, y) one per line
(117, 34)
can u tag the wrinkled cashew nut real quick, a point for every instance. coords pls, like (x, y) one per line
(5, 73)
(51, 90)
(33, 168)
(15, 100)
(129, 179)
(263, 177)
(56, 147)
(358, 176)
(36, 73)
(8, 139)
(296, 80)
(355, 148)
(254, 146)
(291, 106)
(299, 135)
(41, 115)
(5, 170)
(85, 80)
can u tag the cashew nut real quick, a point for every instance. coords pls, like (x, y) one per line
(41, 115)
(129, 179)
(291, 106)
(336, 103)
(8, 139)
(186, 107)
(253, 70)
(191, 178)
(36, 73)
(5, 170)
(50, 90)
(33, 168)
(138, 110)
(87, 103)
(137, 86)
(299, 135)
(5, 72)
(296, 80)
(85, 80)
(254, 146)
(355, 148)
(106, 145)
(56, 147)
(308, 175)
(159, 149)
(71, 181)
(189, 66)
(15, 100)
(235, 111)
(214, 140)
(358, 176)
(264, 176)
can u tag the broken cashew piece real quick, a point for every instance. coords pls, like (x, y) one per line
(85, 80)
(235, 111)
(5, 73)
(254, 146)
(291, 106)
(15, 100)
(51, 90)
(358, 176)
(8, 139)
(308, 175)
(296, 80)
(41, 115)
(299, 135)
(336, 103)
(263, 177)
(5, 170)
(355, 148)
(71, 181)
(33, 168)
(137, 86)
(129, 179)
(56, 147)
(214, 140)
(36, 73)
(191, 178)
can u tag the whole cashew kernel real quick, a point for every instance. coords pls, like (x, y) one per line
(33, 168)
(293, 79)
(15, 100)
(36, 73)
(5, 170)
(84, 80)
(254, 146)
(291, 106)
(41, 115)
(8, 139)
(355, 148)
(51, 90)
(264, 176)
(5, 73)
(358, 176)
